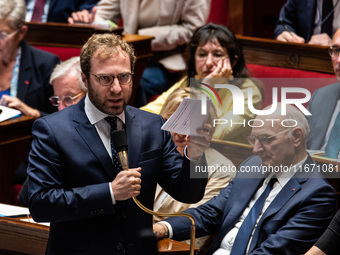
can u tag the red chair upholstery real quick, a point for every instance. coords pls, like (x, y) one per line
(285, 77)
(61, 52)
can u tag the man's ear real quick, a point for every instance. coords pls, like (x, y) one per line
(22, 32)
(297, 135)
(84, 79)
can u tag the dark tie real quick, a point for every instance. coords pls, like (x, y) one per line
(38, 10)
(243, 235)
(113, 124)
(327, 17)
(333, 144)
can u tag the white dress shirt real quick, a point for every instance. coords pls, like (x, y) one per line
(97, 118)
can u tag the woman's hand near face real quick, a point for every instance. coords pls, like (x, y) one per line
(222, 70)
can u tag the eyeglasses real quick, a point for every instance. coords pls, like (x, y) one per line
(4, 36)
(107, 80)
(334, 51)
(264, 139)
(67, 100)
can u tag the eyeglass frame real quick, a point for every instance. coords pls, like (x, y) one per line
(63, 98)
(331, 52)
(265, 139)
(4, 36)
(113, 78)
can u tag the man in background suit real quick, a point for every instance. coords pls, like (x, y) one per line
(325, 105)
(57, 10)
(68, 89)
(74, 177)
(302, 21)
(296, 211)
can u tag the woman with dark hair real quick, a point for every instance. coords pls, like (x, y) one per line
(215, 56)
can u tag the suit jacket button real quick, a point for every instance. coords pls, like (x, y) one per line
(119, 247)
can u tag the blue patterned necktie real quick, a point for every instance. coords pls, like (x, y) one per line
(244, 233)
(113, 124)
(333, 144)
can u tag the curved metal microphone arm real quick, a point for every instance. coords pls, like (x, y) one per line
(123, 158)
(121, 148)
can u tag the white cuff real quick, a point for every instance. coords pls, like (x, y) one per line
(111, 193)
(171, 233)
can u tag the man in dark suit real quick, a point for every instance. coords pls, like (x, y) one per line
(294, 214)
(59, 10)
(303, 21)
(325, 105)
(74, 182)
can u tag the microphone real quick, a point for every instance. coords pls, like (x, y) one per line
(121, 146)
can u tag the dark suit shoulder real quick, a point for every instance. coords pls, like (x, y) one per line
(143, 114)
(324, 91)
(37, 53)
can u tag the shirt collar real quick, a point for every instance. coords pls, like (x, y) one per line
(285, 176)
(94, 115)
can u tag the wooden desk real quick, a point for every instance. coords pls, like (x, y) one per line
(25, 238)
(15, 137)
(271, 52)
(62, 34)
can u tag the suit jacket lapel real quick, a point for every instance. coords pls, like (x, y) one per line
(25, 74)
(134, 137)
(241, 199)
(90, 136)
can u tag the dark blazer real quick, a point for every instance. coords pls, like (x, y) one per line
(299, 17)
(34, 87)
(60, 10)
(69, 171)
(291, 224)
(321, 106)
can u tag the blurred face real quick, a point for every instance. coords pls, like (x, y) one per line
(180, 141)
(111, 99)
(278, 150)
(208, 56)
(67, 86)
(9, 41)
(336, 59)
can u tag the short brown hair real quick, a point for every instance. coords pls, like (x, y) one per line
(108, 44)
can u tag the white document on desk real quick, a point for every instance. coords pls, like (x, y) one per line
(13, 211)
(187, 118)
(8, 113)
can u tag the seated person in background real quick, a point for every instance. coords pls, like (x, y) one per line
(24, 70)
(329, 242)
(217, 179)
(172, 23)
(282, 202)
(308, 21)
(214, 52)
(69, 89)
(325, 108)
(55, 10)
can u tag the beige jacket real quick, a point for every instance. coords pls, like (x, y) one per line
(178, 20)
(217, 180)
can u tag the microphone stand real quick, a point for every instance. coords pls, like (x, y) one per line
(123, 158)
